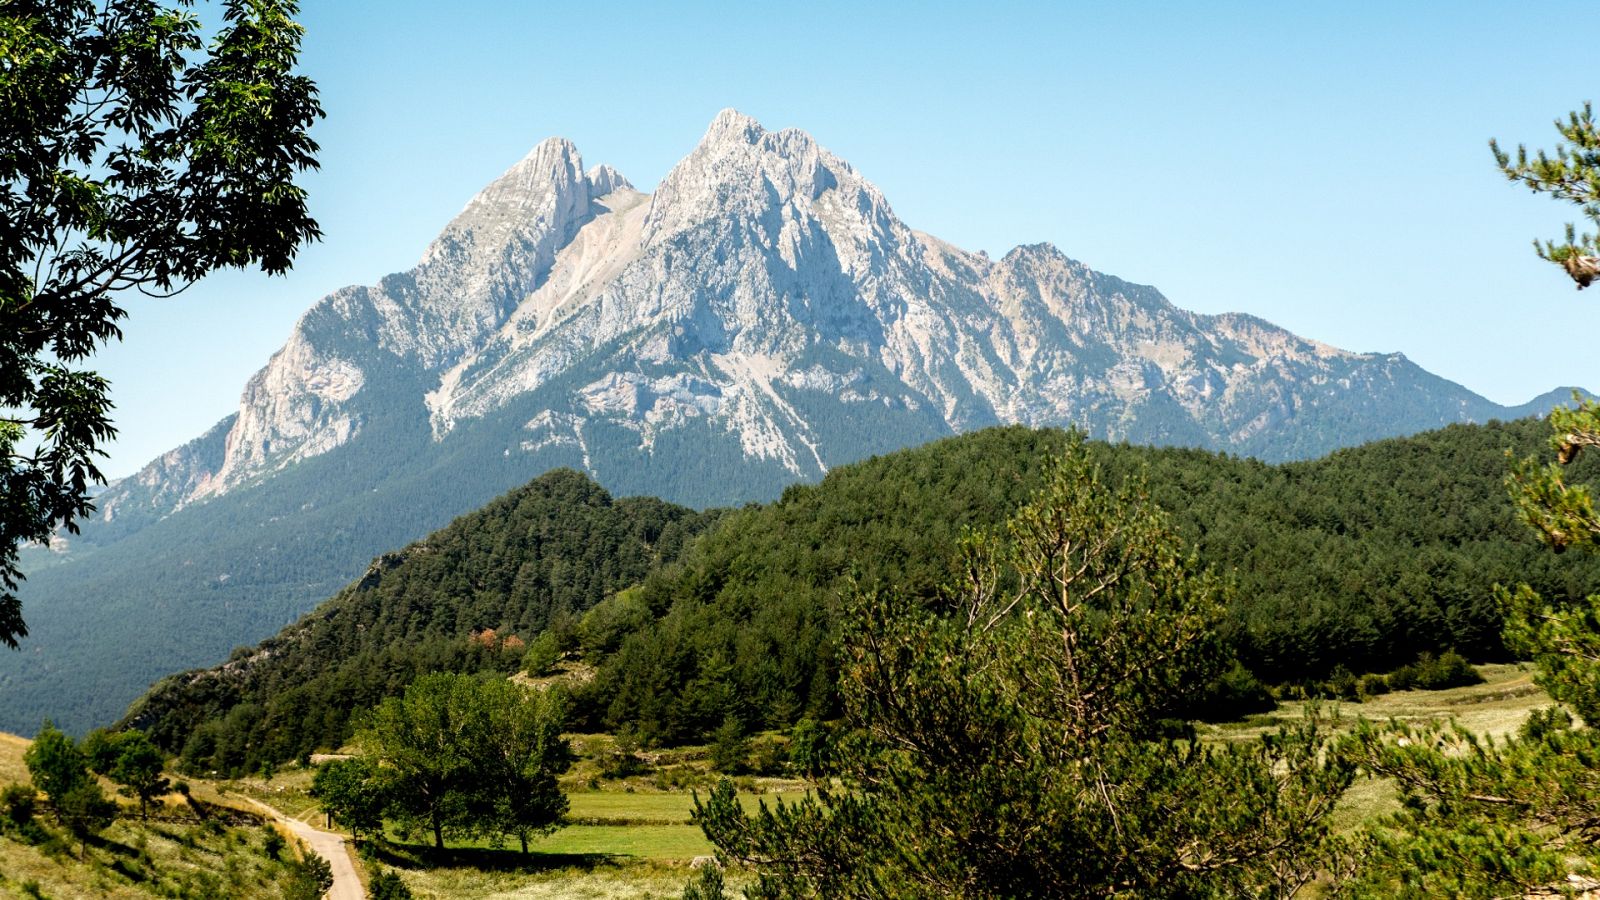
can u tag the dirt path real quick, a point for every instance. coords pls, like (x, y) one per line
(329, 846)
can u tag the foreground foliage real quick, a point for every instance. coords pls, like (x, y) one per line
(1522, 816)
(1570, 173)
(1013, 738)
(136, 157)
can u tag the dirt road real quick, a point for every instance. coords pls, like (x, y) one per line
(329, 846)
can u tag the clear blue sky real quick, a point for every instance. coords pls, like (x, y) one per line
(1323, 166)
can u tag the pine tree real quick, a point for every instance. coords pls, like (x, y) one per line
(1572, 173)
(1015, 741)
(1519, 817)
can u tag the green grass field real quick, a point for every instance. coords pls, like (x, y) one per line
(1495, 708)
(628, 838)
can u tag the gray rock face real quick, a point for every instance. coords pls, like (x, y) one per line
(767, 295)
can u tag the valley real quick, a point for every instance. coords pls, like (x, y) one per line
(632, 837)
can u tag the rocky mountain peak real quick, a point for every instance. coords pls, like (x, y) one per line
(603, 179)
(732, 126)
(744, 177)
(548, 184)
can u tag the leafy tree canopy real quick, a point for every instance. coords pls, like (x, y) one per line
(135, 154)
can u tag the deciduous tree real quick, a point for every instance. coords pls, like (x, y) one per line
(354, 792)
(519, 753)
(135, 154)
(422, 739)
(139, 769)
(55, 763)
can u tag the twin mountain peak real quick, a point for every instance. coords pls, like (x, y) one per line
(762, 316)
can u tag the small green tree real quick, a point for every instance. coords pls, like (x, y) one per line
(86, 811)
(139, 769)
(808, 747)
(708, 885)
(387, 885)
(138, 156)
(1012, 741)
(17, 803)
(55, 763)
(101, 747)
(354, 792)
(542, 654)
(310, 878)
(730, 750)
(1571, 173)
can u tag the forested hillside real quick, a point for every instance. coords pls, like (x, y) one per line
(1361, 560)
(466, 598)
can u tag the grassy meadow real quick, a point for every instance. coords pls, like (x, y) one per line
(629, 837)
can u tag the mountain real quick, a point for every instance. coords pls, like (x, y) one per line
(1361, 559)
(759, 319)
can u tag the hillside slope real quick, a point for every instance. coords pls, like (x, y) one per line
(1362, 559)
(542, 554)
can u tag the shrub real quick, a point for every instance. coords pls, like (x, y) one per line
(1542, 723)
(542, 654)
(1372, 685)
(769, 756)
(272, 844)
(1449, 669)
(623, 760)
(1234, 694)
(1341, 684)
(18, 802)
(386, 884)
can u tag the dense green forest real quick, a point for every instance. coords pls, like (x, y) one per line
(465, 599)
(1359, 561)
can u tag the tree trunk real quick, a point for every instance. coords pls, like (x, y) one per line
(438, 832)
(524, 836)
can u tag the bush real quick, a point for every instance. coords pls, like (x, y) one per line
(542, 654)
(386, 884)
(623, 760)
(18, 803)
(272, 845)
(769, 756)
(1449, 669)
(1542, 723)
(1433, 673)
(309, 878)
(1372, 685)
(1341, 684)
(1234, 694)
